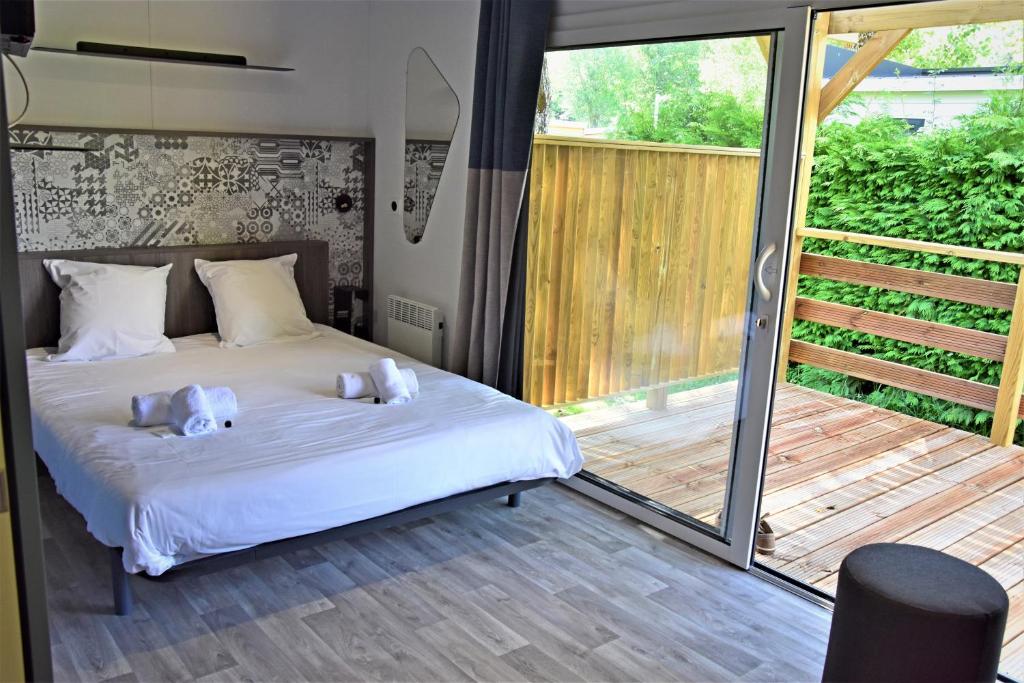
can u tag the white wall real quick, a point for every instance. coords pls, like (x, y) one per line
(326, 42)
(427, 271)
(349, 58)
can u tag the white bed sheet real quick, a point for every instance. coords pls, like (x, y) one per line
(297, 460)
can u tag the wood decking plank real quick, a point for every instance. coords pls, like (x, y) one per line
(974, 546)
(703, 500)
(634, 412)
(989, 541)
(824, 425)
(830, 474)
(632, 448)
(938, 501)
(980, 530)
(1012, 658)
(1015, 622)
(660, 439)
(791, 467)
(886, 490)
(1007, 567)
(699, 492)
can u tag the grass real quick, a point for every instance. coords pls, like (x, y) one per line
(641, 395)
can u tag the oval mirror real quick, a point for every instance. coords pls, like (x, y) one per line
(431, 113)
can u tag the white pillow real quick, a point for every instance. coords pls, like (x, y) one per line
(256, 301)
(109, 311)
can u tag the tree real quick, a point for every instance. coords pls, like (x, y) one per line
(1000, 44)
(655, 93)
(599, 82)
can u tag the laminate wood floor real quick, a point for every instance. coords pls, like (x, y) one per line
(561, 589)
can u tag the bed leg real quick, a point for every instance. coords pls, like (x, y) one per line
(515, 499)
(121, 582)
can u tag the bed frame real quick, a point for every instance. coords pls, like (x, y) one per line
(190, 311)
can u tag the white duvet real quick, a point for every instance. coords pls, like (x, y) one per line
(297, 458)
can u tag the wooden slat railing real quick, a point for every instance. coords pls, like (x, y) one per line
(1010, 257)
(967, 290)
(927, 382)
(1004, 401)
(634, 258)
(911, 330)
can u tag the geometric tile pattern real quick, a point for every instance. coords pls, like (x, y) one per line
(167, 188)
(424, 163)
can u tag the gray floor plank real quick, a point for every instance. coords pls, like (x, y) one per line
(561, 589)
(247, 642)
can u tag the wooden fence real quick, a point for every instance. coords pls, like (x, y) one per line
(637, 265)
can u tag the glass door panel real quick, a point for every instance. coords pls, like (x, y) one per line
(648, 233)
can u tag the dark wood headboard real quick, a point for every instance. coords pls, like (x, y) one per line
(189, 307)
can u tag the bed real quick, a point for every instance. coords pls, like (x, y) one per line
(299, 466)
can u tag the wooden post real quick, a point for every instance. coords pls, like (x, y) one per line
(657, 399)
(815, 70)
(860, 66)
(925, 14)
(1004, 418)
(765, 43)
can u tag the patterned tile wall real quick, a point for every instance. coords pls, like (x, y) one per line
(424, 163)
(155, 189)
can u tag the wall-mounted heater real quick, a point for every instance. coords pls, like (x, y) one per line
(415, 329)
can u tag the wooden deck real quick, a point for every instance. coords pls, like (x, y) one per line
(841, 474)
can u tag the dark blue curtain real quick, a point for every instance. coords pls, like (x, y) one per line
(487, 345)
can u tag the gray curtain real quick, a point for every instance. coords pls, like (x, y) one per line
(487, 342)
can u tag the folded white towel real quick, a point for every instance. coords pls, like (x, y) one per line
(360, 384)
(355, 385)
(191, 412)
(150, 410)
(390, 385)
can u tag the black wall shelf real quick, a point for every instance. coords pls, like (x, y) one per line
(165, 60)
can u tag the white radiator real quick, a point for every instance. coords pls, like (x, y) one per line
(415, 329)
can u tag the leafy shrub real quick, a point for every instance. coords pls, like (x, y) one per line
(963, 186)
(713, 118)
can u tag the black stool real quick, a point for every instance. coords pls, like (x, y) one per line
(907, 613)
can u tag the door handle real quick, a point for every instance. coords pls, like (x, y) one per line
(762, 259)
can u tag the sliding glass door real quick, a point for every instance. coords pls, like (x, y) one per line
(660, 192)
(897, 408)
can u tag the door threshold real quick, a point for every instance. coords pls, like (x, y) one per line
(817, 597)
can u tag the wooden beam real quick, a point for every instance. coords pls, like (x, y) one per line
(1011, 257)
(857, 69)
(808, 133)
(1004, 417)
(968, 290)
(911, 330)
(963, 391)
(765, 43)
(925, 15)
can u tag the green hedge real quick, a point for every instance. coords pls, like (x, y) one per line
(961, 185)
